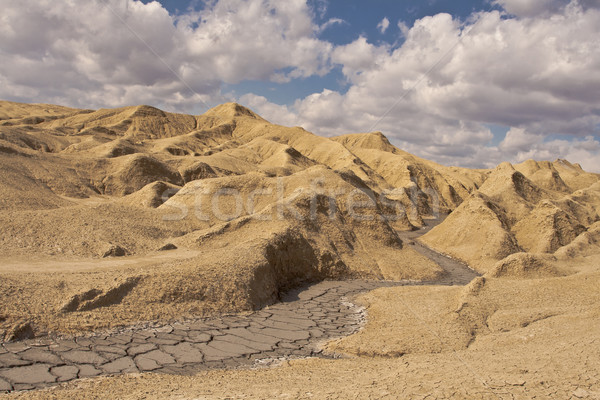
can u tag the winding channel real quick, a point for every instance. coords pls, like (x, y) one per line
(294, 327)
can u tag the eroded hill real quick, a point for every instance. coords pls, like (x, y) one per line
(151, 215)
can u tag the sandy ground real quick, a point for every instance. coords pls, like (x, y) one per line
(539, 340)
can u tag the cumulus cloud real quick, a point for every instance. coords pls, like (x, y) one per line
(383, 25)
(534, 8)
(404, 28)
(517, 140)
(107, 52)
(358, 56)
(531, 8)
(254, 39)
(435, 94)
(278, 114)
(520, 145)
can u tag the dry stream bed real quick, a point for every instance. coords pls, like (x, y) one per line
(295, 327)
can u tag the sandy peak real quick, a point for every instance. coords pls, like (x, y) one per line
(232, 110)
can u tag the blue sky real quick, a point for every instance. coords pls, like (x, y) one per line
(467, 83)
(358, 18)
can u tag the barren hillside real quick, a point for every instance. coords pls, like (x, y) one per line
(187, 215)
(135, 216)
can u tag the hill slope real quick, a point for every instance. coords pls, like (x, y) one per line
(247, 209)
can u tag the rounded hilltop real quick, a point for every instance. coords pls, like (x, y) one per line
(232, 110)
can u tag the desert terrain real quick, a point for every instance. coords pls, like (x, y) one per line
(340, 267)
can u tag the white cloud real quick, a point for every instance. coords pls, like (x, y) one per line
(320, 7)
(383, 25)
(518, 140)
(358, 56)
(537, 8)
(519, 145)
(254, 39)
(404, 28)
(322, 110)
(278, 114)
(331, 22)
(538, 75)
(101, 52)
(531, 8)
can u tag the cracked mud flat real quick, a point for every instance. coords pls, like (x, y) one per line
(293, 328)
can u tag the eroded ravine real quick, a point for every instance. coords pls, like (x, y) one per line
(293, 328)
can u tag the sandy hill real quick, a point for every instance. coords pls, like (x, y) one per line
(11, 112)
(533, 207)
(246, 209)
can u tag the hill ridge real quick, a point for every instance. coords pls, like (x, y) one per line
(248, 209)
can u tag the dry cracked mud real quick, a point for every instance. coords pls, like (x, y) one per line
(295, 327)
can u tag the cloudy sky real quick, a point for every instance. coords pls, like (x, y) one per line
(468, 83)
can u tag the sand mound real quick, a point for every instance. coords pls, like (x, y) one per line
(401, 317)
(234, 196)
(98, 145)
(10, 110)
(574, 176)
(296, 201)
(526, 216)
(21, 330)
(197, 142)
(231, 110)
(526, 265)
(588, 198)
(544, 175)
(86, 230)
(115, 148)
(288, 259)
(477, 232)
(276, 157)
(19, 188)
(511, 190)
(32, 139)
(140, 122)
(198, 170)
(585, 244)
(373, 141)
(136, 171)
(9, 148)
(428, 187)
(152, 195)
(546, 228)
(583, 212)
